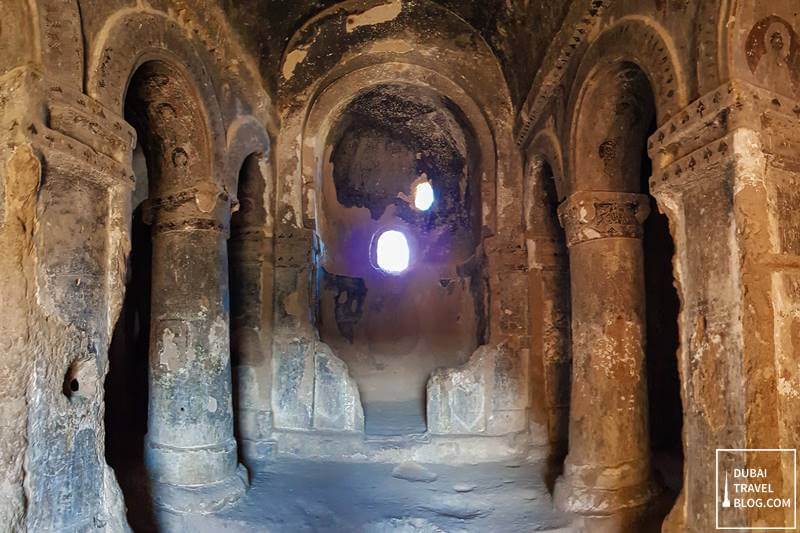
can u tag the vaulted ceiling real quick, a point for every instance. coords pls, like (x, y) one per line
(518, 31)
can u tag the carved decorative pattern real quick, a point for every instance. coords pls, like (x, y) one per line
(699, 135)
(558, 57)
(293, 247)
(205, 207)
(592, 215)
(62, 40)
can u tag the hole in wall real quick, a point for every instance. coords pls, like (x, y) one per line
(80, 380)
(392, 252)
(423, 196)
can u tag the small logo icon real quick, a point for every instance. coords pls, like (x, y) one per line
(726, 500)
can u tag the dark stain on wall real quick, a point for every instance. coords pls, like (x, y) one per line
(267, 26)
(349, 294)
(474, 270)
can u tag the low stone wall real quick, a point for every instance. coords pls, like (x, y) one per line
(476, 412)
(486, 396)
(313, 389)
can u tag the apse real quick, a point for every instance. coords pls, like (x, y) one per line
(398, 225)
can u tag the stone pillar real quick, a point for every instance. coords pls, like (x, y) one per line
(607, 470)
(726, 171)
(251, 328)
(64, 167)
(506, 270)
(294, 335)
(190, 449)
(548, 302)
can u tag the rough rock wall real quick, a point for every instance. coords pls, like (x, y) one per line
(56, 187)
(57, 183)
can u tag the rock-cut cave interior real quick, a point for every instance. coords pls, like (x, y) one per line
(415, 266)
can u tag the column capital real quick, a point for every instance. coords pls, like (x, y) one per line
(73, 134)
(716, 129)
(592, 215)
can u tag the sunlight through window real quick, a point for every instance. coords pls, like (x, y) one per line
(423, 196)
(392, 252)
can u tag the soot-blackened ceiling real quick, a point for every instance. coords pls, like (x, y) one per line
(393, 135)
(518, 31)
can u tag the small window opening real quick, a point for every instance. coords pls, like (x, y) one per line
(423, 196)
(392, 252)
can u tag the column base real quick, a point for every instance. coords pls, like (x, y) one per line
(185, 466)
(199, 499)
(573, 494)
(257, 451)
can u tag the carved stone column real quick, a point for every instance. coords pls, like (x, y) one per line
(190, 448)
(608, 467)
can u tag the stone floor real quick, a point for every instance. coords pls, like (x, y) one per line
(294, 496)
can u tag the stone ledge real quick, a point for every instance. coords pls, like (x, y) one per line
(442, 449)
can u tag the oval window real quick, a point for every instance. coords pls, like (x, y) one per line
(392, 252)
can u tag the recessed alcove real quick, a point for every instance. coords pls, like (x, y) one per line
(396, 300)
